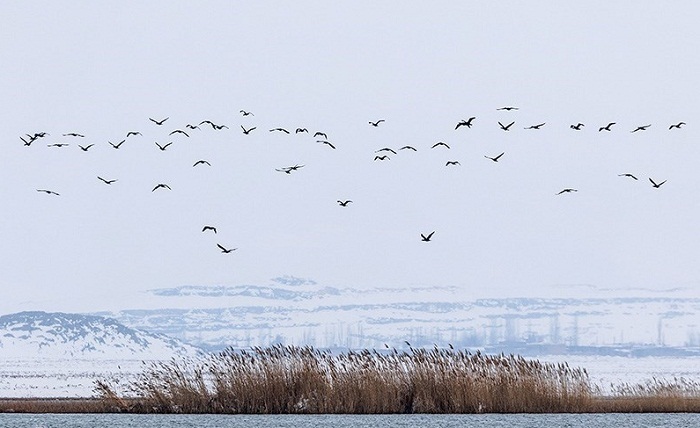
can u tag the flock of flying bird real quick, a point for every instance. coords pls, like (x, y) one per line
(382, 154)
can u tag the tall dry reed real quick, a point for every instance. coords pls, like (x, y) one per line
(290, 379)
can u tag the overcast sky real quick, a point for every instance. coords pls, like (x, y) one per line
(103, 68)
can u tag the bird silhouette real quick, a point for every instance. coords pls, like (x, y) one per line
(439, 143)
(677, 126)
(320, 134)
(382, 158)
(48, 192)
(496, 158)
(190, 126)
(535, 126)
(130, 133)
(85, 148)
(212, 228)
(246, 113)
(375, 124)
(116, 146)
(344, 203)
(289, 169)
(73, 134)
(656, 186)
(385, 149)
(201, 162)
(426, 239)
(225, 250)
(606, 127)
(161, 186)
(106, 181)
(299, 130)
(508, 108)
(247, 131)
(328, 143)
(180, 131)
(640, 128)
(27, 142)
(162, 148)
(577, 126)
(280, 130)
(158, 122)
(567, 191)
(57, 145)
(627, 175)
(408, 148)
(448, 163)
(467, 123)
(506, 127)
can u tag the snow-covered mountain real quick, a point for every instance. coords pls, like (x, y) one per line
(297, 311)
(47, 336)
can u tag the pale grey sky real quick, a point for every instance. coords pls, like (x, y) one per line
(103, 68)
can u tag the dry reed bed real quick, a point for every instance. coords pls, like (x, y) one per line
(289, 379)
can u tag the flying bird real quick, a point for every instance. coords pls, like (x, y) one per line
(408, 148)
(73, 134)
(180, 131)
(247, 131)
(640, 128)
(627, 175)
(161, 186)
(130, 133)
(116, 146)
(385, 149)
(162, 148)
(440, 143)
(506, 127)
(426, 238)
(106, 181)
(467, 123)
(606, 127)
(656, 186)
(48, 192)
(27, 143)
(321, 134)
(535, 126)
(328, 143)
(57, 145)
(677, 126)
(298, 130)
(85, 148)
(375, 124)
(344, 203)
(289, 169)
(190, 126)
(567, 191)
(225, 250)
(201, 162)
(158, 122)
(577, 126)
(280, 130)
(246, 113)
(212, 228)
(496, 158)
(382, 158)
(508, 108)
(452, 163)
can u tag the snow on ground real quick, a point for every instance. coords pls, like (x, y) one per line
(75, 378)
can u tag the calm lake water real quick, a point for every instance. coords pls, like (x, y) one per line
(351, 421)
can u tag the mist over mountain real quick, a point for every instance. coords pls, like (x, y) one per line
(29, 335)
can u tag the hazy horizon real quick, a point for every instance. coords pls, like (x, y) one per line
(103, 70)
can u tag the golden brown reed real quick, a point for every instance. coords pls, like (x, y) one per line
(289, 379)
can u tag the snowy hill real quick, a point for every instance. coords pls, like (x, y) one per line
(297, 311)
(58, 335)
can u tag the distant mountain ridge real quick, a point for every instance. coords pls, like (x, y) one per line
(28, 335)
